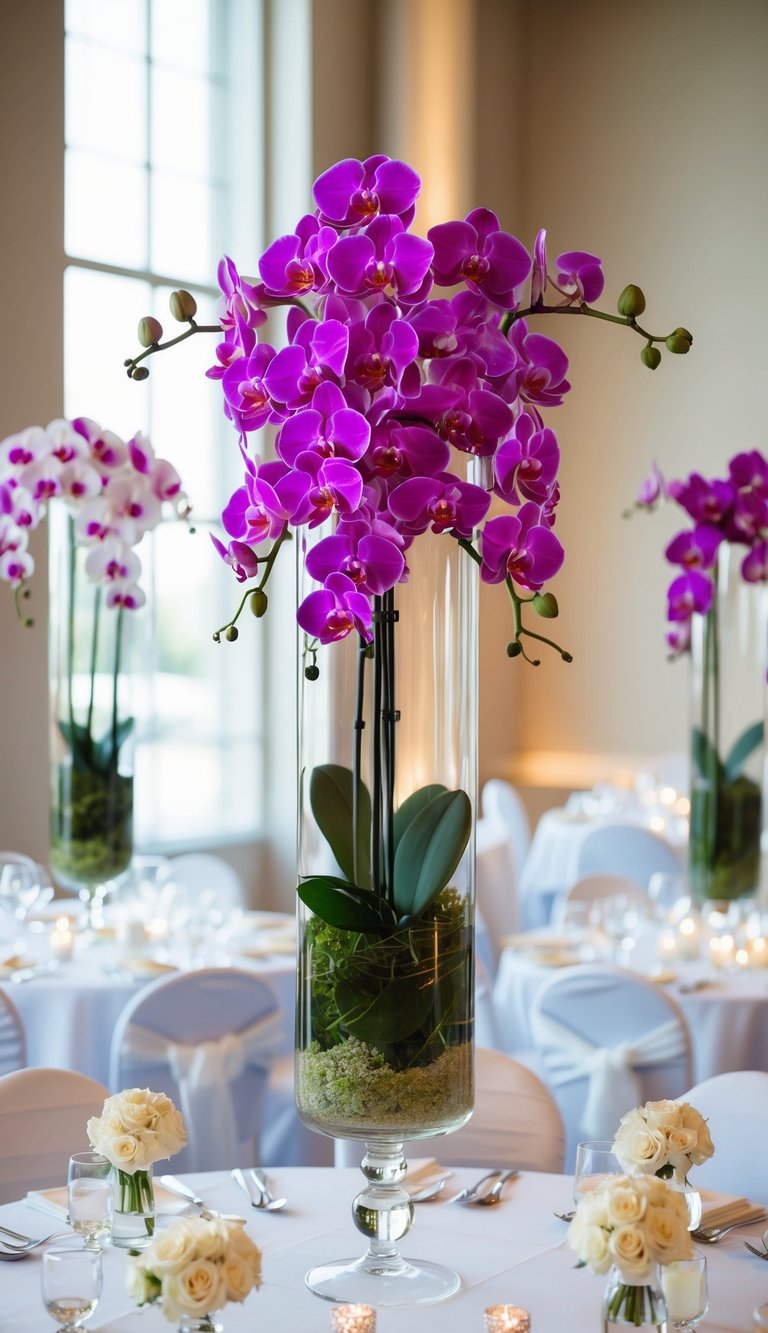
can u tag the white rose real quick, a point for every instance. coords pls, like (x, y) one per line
(242, 1245)
(630, 1251)
(663, 1113)
(626, 1204)
(641, 1150)
(211, 1239)
(135, 1110)
(200, 1288)
(667, 1234)
(593, 1249)
(169, 1297)
(171, 1250)
(140, 1285)
(171, 1130)
(237, 1277)
(122, 1152)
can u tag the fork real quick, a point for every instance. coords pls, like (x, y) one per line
(30, 1242)
(472, 1194)
(761, 1254)
(429, 1192)
(711, 1235)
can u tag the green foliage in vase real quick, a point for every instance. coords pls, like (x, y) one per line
(91, 824)
(726, 817)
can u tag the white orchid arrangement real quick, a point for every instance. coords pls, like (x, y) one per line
(664, 1138)
(196, 1266)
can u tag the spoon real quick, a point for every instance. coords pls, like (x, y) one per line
(472, 1193)
(494, 1194)
(430, 1192)
(268, 1201)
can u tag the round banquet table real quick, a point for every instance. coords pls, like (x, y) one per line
(70, 1013)
(514, 1253)
(727, 1012)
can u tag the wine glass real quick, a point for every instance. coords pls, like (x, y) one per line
(20, 888)
(594, 1161)
(89, 1197)
(71, 1285)
(684, 1284)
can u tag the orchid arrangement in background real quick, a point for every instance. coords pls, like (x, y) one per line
(386, 392)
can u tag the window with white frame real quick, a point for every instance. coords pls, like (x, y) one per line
(163, 175)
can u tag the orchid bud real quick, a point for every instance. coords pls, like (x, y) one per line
(650, 357)
(545, 604)
(679, 342)
(150, 331)
(312, 672)
(183, 305)
(514, 648)
(139, 373)
(631, 302)
(259, 602)
(567, 657)
(684, 334)
(231, 633)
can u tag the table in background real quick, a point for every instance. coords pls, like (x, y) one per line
(513, 1253)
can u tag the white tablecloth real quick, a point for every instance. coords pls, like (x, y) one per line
(70, 1014)
(513, 1253)
(728, 1015)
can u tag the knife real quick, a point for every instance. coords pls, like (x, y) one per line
(239, 1178)
(178, 1187)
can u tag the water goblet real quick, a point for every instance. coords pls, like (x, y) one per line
(89, 1197)
(594, 1161)
(71, 1285)
(684, 1284)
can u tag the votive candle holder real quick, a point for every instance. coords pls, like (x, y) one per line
(353, 1319)
(507, 1319)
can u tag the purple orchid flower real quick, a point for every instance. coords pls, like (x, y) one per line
(335, 611)
(247, 400)
(317, 353)
(444, 503)
(332, 487)
(527, 462)
(749, 472)
(296, 264)
(705, 501)
(690, 592)
(697, 549)
(754, 566)
(539, 273)
(329, 428)
(239, 556)
(651, 489)
(479, 253)
(407, 451)
(749, 518)
(384, 256)
(471, 417)
(582, 273)
(373, 563)
(383, 351)
(539, 374)
(352, 193)
(520, 547)
(239, 300)
(679, 636)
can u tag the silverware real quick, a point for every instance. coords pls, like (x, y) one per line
(711, 1235)
(472, 1193)
(761, 1254)
(268, 1201)
(429, 1192)
(239, 1179)
(566, 1217)
(178, 1187)
(493, 1195)
(8, 1256)
(31, 1243)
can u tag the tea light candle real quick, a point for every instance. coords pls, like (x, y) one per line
(507, 1319)
(353, 1319)
(682, 1286)
(688, 938)
(721, 950)
(666, 947)
(131, 932)
(62, 940)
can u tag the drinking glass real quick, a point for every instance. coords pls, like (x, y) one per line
(594, 1161)
(684, 1284)
(20, 888)
(89, 1197)
(667, 893)
(71, 1285)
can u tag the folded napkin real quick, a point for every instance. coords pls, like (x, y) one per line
(275, 944)
(54, 1202)
(718, 1210)
(421, 1170)
(14, 963)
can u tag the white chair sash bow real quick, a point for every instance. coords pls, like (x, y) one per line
(614, 1087)
(204, 1072)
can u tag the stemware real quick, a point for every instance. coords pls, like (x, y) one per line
(594, 1161)
(89, 1197)
(684, 1284)
(71, 1285)
(20, 888)
(668, 897)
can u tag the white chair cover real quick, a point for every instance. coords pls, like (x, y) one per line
(13, 1044)
(496, 880)
(43, 1114)
(612, 1071)
(501, 803)
(626, 849)
(515, 1123)
(207, 1039)
(736, 1106)
(205, 1072)
(582, 1011)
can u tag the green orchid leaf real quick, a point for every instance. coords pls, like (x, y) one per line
(105, 753)
(413, 805)
(345, 905)
(390, 1014)
(741, 749)
(430, 850)
(705, 758)
(330, 796)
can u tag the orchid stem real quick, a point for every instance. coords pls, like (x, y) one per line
(512, 316)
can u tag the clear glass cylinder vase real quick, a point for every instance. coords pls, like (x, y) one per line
(91, 647)
(387, 796)
(729, 657)
(630, 1304)
(133, 1209)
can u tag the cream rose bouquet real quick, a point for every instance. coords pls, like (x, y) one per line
(664, 1139)
(136, 1128)
(631, 1223)
(195, 1267)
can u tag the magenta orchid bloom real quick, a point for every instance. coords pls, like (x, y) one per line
(519, 547)
(373, 563)
(239, 556)
(328, 428)
(754, 566)
(582, 273)
(690, 592)
(527, 462)
(697, 549)
(240, 301)
(296, 264)
(442, 503)
(335, 611)
(353, 193)
(245, 389)
(651, 489)
(479, 253)
(317, 353)
(706, 502)
(384, 257)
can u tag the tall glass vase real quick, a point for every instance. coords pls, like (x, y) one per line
(387, 790)
(91, 724)
(729, 651)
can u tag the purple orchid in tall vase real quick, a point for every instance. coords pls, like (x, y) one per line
(411, 460)
(717, 612)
